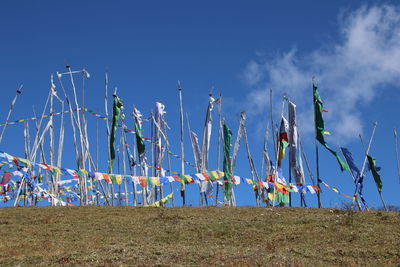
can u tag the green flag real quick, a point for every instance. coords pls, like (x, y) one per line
(375, 173)
(139, 139)
(227, 162)
(320, 127)
(116, 112)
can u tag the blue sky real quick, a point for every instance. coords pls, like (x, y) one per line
(242, 49)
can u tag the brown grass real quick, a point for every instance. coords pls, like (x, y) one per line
(125, 236)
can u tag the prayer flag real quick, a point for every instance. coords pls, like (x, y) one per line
(375, 173)
(320, 127)
(117, 106)
(227, 162)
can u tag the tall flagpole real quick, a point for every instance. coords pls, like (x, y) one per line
(108, 128)
(366, 155)
(182, 145)
(272, 123)
(397, 153)
(219, 143)
(354, 179)
(316, 154)
(197, 163)
(18, 92)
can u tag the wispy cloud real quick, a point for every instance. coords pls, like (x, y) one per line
(365, 59)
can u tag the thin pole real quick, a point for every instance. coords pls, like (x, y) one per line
(107, 126)
(277, 154)
(354, 179)
(153, 190)
(197, 164)
(134, 172)
(52, 155)
(182, 145)
(308, 166)
(219, 144)
(316, 154)
(169, 164)
(124, 167)
(97, 157)
(366, 155)
(272, 123)
(18, 92)
(397, 153)
(253, 170)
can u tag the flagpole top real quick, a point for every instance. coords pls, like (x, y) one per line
(19, 91)
(285, 97)
(179, 86)
(375, 123)
(313, 79)
(211, 91)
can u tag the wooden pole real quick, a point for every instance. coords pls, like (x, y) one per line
(219, 143)
(354, 179)
(18, 92)
(134, 163)
(272, 123)
(397, 153)
(197, 164)
(316, 154)
(308, 166)
(123, 144)
(107, 127)
(182, 143)
(169, 165)
(366, 155)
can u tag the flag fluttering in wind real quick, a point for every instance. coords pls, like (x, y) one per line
(207, 186)
(283, 139)
(375, 173)
(296, 167)
(227, 162)
(320, 127)
(358, 180)
(141, 148)
(196, 150)
(117, 106)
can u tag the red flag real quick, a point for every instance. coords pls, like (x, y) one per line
(6, 178)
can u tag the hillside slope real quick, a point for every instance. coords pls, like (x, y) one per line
(114, 236)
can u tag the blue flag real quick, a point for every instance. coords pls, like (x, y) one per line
(356, 173)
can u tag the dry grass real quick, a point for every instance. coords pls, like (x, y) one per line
(124, 236)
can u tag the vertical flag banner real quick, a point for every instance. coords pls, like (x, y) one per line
(375, 173)
(283, 139)
(117, 106)
(227, 162)
(320, 127)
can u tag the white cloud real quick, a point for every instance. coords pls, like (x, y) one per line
(350, 72)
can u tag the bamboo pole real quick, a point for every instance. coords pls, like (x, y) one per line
(134, 171)
(316, 153)
(277, 154)
(253, 170)
(354, 179)
(219, 143)
(169, 162)
(18, 92)
(84, 144)
(124, 166)
(107, 127)
(272, 123)
(197, 163)
(397, 153)
(182, 143)
(366, 155)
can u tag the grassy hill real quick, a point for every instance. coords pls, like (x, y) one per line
(114, 236)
